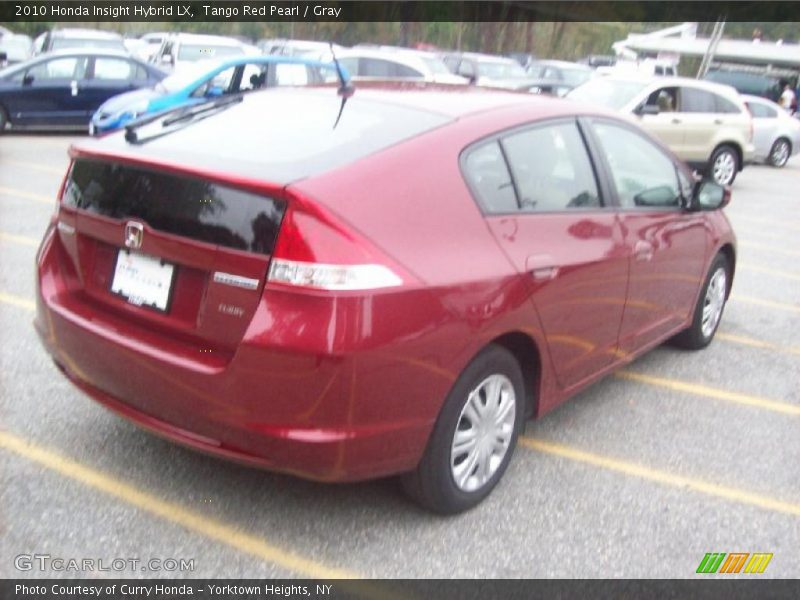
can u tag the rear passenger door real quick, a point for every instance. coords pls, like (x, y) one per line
(110, 76)
(700, 120)
(538, 189)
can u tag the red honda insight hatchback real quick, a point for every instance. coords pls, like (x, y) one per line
(349, 286)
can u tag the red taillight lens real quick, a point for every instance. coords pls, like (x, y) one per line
(63, 186)
(314, 250)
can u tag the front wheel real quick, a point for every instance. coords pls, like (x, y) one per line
(709, 307)
(724, 165)
(780, 152)
(474, 436)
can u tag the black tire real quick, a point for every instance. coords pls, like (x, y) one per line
(3, 119)
(433, 483)
(725, 172)
(696, 336)
(780, 152)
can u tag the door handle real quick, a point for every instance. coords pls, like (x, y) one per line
(717, 121)
(676, 121)
(542, 267)
(73, 86)
(643, 251)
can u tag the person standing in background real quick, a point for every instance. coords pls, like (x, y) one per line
(788, 99)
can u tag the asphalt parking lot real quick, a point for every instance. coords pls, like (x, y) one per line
(640, 476)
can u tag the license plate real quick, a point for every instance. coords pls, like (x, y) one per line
(143, 280)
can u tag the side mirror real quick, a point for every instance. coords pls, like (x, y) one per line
(166, 59)
(647, 109)
(3, 57)
(27, 80)
(708, 195)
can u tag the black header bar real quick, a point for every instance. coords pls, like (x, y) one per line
(397, 10)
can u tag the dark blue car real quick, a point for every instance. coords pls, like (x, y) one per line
(61, 90)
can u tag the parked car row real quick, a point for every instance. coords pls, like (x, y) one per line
(706, 124)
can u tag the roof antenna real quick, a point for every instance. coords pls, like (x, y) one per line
(346, 89)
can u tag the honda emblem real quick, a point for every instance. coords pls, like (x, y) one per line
(134, 233)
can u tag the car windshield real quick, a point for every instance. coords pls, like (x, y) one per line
(606, 92)
(501, 70)
(66, 43)
(193, 52)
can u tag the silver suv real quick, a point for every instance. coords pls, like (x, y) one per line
(706, 124)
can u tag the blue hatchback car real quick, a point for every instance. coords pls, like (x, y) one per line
(208, 79)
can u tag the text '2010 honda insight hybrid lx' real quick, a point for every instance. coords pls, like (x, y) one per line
(347, 285)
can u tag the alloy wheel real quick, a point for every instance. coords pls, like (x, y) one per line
(780, 153)
(724, 168)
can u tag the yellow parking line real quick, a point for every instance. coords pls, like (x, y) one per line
(4, 191)
(663, 477)
(23, 240)
(754, 343)
(710, 392)
(768, 271)
(170, 511)
(36, 166)
(768, 248)
(17, 301)
(766, 303)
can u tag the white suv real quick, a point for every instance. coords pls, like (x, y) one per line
(705, 124)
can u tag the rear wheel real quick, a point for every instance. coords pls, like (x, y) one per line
(708, 311)
(474, 436)
(780, 152)
(724, 165)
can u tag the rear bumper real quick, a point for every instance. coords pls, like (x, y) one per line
(277, 402)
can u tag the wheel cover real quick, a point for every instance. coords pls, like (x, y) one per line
(780, 153)
(714, 301)
(724, 168)
(483, 433)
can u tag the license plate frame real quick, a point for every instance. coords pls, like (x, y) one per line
(140, 279)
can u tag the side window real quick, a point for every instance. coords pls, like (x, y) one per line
(486, 170)
(113, 69)
(666, 99)
(141, 73)
(697, 101)
(404, 71)
(289, 74)
(726, 106)
(643, 175)
(551, 168)
(762, 111)
(71, 67)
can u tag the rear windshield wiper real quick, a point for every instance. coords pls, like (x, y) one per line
(173, 117)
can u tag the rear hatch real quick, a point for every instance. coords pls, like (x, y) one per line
(170, 252)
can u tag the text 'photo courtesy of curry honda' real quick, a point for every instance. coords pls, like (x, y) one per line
(344, 284)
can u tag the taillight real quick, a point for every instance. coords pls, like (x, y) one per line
(63, 186)
(314, 250)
